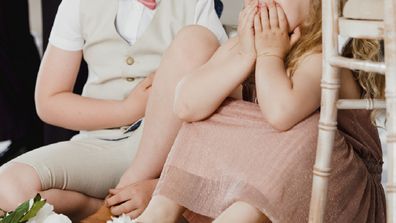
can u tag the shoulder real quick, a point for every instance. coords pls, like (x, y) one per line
(68, 9)
(311, 59)
(66, 33)
(309, 71)
(311, 64)
(71, 6)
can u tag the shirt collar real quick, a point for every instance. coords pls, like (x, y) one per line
(158, 1)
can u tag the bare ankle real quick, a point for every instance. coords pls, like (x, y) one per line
(161, 209)
(155, 216)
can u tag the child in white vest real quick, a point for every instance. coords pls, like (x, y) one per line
(123, 42)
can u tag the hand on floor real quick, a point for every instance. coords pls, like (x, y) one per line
(132, 199)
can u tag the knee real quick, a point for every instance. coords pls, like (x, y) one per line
(18, 182)
(195, 43)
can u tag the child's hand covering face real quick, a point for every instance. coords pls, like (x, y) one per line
(271, 31)
(245, 28)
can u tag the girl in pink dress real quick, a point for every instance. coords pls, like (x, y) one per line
(240, 161)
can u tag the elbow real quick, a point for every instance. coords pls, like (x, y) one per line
(42, 111)
(184, 112)
(182, 106)
(280, 124)
(278, 119)
(189, 112)
(43, 108)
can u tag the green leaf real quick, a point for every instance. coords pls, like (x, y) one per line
(19, 212)
(34, 210)
(22, 212)
(7, 219)
(37, 198)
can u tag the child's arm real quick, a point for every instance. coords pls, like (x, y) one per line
(58, 105)
(284, 102)
(202, 91)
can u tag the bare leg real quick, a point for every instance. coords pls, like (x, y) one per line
(20, 182)
(242, 212)
(73, 204)
(161, 209)
(192, 47)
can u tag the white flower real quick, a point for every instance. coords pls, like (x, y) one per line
(57, 218)
(122, 219)
(47, 215)
(42, 214)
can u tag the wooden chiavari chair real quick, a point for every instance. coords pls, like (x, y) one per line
(362, 19)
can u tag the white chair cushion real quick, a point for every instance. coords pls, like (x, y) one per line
(364, 9)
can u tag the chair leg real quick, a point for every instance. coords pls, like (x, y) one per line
(390, 60)
(328, 114)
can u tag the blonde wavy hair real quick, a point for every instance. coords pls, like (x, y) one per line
(371, 84)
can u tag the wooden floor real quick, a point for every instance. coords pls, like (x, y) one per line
(101, 216)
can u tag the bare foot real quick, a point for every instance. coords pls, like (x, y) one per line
(161, 209)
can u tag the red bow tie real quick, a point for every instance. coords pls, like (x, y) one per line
(151, 4)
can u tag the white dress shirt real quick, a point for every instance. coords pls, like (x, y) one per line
(132, 20)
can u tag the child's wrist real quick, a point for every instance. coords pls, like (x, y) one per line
(127, 111)
(248, 58)
(266, 55)
(248, 54)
